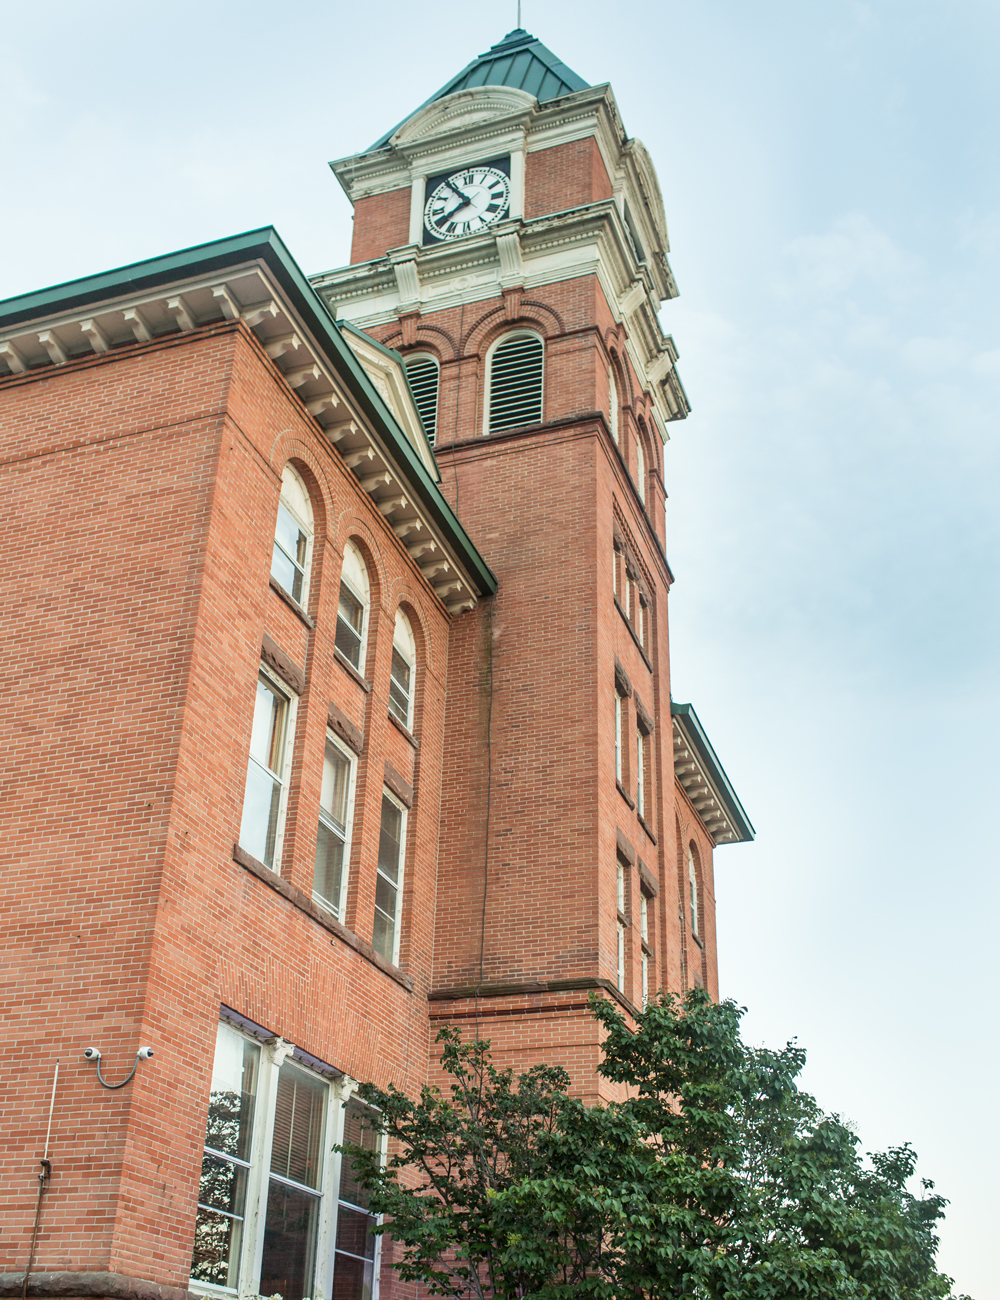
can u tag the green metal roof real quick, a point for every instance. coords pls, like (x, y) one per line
(695, 732)
(519, 60)
(264, 245)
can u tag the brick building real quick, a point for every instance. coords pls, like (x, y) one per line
(339, 698)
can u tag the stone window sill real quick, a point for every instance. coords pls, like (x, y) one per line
(292, 603)
(349, 668)
(304, 903)
(624, 794)
(646, 828)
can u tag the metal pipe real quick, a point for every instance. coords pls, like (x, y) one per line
(43, 1182)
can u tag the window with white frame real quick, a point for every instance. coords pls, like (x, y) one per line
(640, 773)
(270, 1202)
(402, 671)
(293, 533)
(620, 904)
(644, 936)
(352, 610)
(424, 375)
(693, 886)
(613, 404)
(333, 836)
(267, 769)
(640, 469)
(515, 374)
(389, 878)
(354, 1270)
(618, 739)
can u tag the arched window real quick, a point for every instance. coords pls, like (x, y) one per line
(424, 375)
(352, 613)
(613, 404)
(403, 672)
(516, 371)
(640, 468)
(693, 887)
(293, 533)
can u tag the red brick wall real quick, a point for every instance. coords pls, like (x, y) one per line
(381, 222)
(141, 492)
(565, 176)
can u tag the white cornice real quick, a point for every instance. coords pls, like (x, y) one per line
(563, 246)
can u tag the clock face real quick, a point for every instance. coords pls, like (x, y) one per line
(466, 202)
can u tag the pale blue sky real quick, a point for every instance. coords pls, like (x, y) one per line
(831, 183)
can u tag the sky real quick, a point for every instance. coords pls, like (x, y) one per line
(831, 184)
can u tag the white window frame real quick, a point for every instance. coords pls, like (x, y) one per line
(613, 405)
(693, 891)
(398, 884)
(292, 483)
(644, 936)
(645, 980)
(404, 642)
(619, 766)
(620, 966)
(283, 776)
(320, 899)
(640, 468)
(364, 597)
(273, 1054)
(640, 773)
(508, 337)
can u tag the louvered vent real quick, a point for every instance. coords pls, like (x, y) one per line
(422, 372)
(516, 383)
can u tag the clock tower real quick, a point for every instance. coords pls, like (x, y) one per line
(510, 242)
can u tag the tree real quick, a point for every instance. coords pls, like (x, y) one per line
(717, 1178)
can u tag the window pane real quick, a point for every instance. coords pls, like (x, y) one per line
(222, 1185)
(233, 1096)
(352, 1278)
(385, 896)
(350, 626)
(399, 688)
(289, 1242)
(384, 935)
(216, 1255)
(268, 725)
(290, 536)
(336, 781)
(357, 1131)
(261, 802)
(296, 1150)
(389, 839)
(329, 871)
(354, 1233)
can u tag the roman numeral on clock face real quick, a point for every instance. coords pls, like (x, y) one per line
(466, 202)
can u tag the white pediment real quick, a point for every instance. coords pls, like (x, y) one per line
(465, 108)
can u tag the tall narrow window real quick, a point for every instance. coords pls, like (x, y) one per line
(618, 738)
(613, 405)
(645, 980)
(404, 658)
(225, 1169)
(693, 885)
(424, 375)
(620, 973)
(330, 875)
(355, 1261)
(516, 372)
(640, 774)
(643, 917)
(293, 533)
(389, 879)
(263, 800)
(640, 468)
(295, 1183)
(352, 611)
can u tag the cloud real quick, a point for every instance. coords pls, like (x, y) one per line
(853, 250)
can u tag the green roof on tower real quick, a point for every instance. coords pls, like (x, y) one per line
(519, 60)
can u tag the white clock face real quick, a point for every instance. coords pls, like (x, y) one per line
(467, 202)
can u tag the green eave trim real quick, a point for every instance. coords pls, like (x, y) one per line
(265, 246)
(702, 746)
(519, 60)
